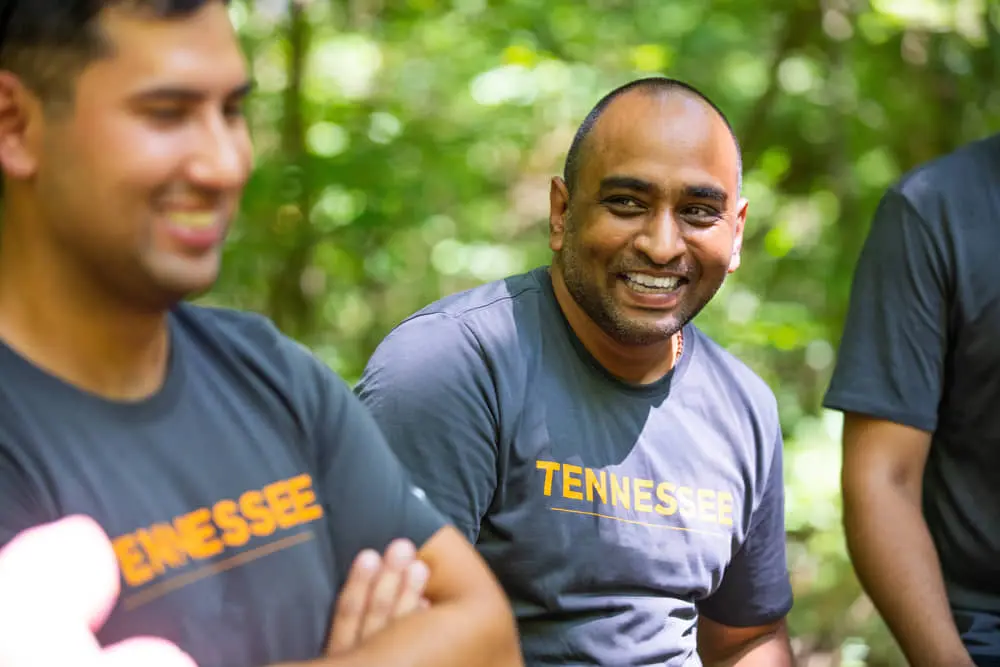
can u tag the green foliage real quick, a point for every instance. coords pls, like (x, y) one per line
(405, 149)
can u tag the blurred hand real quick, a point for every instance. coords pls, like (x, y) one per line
(58, 583)
(378, 591)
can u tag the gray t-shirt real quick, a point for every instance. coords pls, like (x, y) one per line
(612, 514)
(236, 497)
(921, 347)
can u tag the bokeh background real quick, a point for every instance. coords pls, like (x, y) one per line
(404, 150)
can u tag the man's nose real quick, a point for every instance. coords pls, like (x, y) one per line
(661, 239)
(223, 157)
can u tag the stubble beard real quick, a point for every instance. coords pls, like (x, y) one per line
(601, 307)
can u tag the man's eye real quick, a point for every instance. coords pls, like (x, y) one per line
(622, 204)
(234, 111)
(166, 113)
(701, 213)
(706, 210)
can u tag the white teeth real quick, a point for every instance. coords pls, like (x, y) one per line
(200, 220)
(652, 283)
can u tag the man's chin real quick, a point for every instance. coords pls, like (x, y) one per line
(187, 275)
(643, 332)
(165, 292)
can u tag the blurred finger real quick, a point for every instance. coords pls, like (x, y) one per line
(353, 602)
(414, 582)
(384, 595)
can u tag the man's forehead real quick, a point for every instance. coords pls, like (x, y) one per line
(661, 129)
(201, 47)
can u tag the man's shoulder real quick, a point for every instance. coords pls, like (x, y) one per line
(734, 376)
(496, 297)
(230, 323)
(251, 346)
(243, 331)
(465, 339)
(492, 307)
(962, 172)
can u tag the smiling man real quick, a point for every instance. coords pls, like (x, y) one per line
(620, 472)
(237, 477)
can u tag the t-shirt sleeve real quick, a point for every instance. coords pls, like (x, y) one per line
(368, 496)
(429, 387)
(756, 588)
(891, 359)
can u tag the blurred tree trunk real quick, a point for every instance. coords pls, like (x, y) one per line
(288, 304)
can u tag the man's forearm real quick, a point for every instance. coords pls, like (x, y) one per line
(776, 651)
(772, 650)
(905, 584)
(457, 634)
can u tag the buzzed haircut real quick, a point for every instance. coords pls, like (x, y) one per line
(656, 84)
(47, 43)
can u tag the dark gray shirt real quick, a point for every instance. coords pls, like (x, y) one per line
(921, 347)
(236, 497)
(612, 514)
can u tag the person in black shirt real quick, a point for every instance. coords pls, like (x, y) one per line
(918, 378)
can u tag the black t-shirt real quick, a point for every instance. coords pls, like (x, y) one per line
(921, 347)
(236, 497)
(613, 514)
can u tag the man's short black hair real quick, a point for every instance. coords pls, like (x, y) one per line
(47, 43)
(652, 85)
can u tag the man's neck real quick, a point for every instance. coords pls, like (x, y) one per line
(62, 323)
(638, 364)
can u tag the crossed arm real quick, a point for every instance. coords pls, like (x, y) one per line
(758, 646)
(372, 505)
(467, 622)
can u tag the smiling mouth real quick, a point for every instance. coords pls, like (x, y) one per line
(646, 284)
(193, 220)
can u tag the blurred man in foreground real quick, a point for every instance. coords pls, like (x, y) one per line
(236, 475)
(619, 471)
(918, 378)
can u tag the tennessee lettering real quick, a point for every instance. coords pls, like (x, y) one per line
(206, 532)
(637, 494)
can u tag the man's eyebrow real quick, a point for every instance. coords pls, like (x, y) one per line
(627, 183)
(707, 192)
(185, 94)
(710, 192)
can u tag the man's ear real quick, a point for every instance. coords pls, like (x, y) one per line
(20, 115)
(558, 210)
(741, 220)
